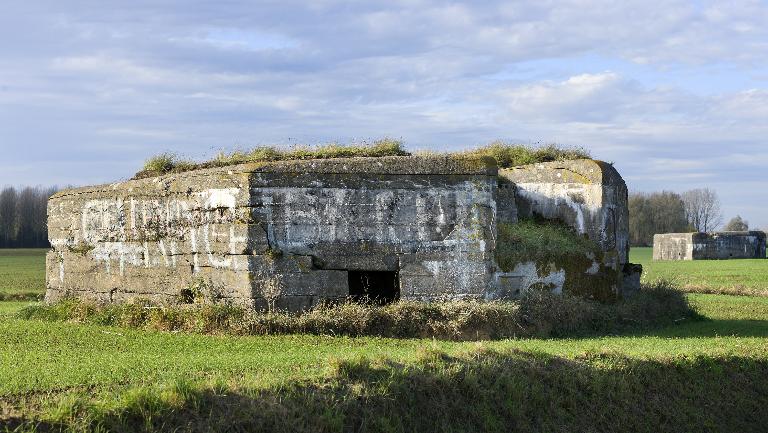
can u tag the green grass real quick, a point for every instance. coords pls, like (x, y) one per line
(10, 308)
(168, 162)
(739, 277)
(22, 274)
(529, 240)
(97, 373)
(506, 155)
(512, 155)
(696, 375)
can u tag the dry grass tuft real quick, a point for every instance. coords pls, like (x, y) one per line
(506, 155)
(539, 313)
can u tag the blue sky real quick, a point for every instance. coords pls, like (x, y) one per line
(674, 93)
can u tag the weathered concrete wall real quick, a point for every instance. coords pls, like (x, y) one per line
(588, 195)
(233, 230)
(709, 246)
(152, 237)
(290, 232)
(591, 197)
(431, 221)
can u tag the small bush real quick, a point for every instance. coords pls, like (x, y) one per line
(166, 162)
(538, 313)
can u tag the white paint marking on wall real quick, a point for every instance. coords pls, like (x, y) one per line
(235, 240)
(59, 243)
(195, 259)
(216, 262)
(106, 251)
(133, 218)
(173, 253)
(594, 269)
(216, 198)
(146, 255)
(530, 276)
(548, 196)
(161, 245)
(440, 210)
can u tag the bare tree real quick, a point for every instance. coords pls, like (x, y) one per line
(702, 209)
(737, 224)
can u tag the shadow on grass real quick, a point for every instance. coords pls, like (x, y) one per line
(483, 391)
(21, 296)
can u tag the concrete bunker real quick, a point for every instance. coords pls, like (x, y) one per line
(709, 246)
(297, 233)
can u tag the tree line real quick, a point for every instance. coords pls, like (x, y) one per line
(697, 210)
(23, 215)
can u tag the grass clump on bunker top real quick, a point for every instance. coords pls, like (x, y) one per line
(506, 155)
(539, 241)
(513, 155)
(379, 148)
(168, 162)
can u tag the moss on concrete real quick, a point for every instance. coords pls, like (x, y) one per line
(541, 242)
(553, 246)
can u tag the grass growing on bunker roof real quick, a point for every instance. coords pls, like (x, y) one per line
(168, 162)
(506, 155)
(512, 155)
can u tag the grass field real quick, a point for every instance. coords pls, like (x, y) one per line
(22, 273)
(742, 277)
(698, 375)
(54, 371)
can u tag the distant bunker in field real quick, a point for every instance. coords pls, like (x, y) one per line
(709, 246)
(292, 234)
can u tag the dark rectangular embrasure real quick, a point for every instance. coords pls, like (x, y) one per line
(378, 287)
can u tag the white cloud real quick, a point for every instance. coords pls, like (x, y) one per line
(123, 81)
